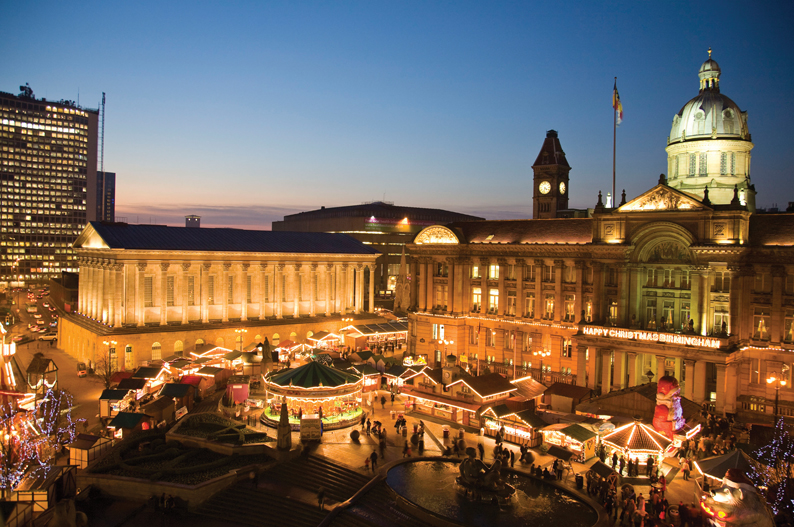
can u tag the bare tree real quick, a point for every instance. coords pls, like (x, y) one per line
(105, 367)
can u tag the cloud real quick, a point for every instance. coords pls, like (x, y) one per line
(239, 217)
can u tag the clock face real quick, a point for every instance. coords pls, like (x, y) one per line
(562, 187)
(544, 187)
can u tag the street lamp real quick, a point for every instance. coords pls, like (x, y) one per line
(541, 354)
(111, 365)
(241, 332)
(778, 383)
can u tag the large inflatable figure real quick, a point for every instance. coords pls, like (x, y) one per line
(668, 417)
(736, 503)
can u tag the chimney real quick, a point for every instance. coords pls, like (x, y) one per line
(193, 221)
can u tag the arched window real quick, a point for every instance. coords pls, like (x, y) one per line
(156, 351)
(258, 338)
(727, 121)
(219, 342)
(293, 336)
(700, 123)
(129, 358)
(179, 347)
(275, 340)
(309, 334)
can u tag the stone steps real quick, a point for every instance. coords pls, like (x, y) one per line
(376, 508)
(312, 472)
(246, 505)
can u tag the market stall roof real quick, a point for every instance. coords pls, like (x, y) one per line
(209, 370)
(287, 345)
(637, 401)
(120, 376)
(249, 357)
(637, 436)
(499, 411)
(324, 335)
(175, 390)
(232, 355)
(193, 380)
(202, 360)
(365, 369)
(571, 391)
(602, 469)
(716, 467)
(442, 400)
(560, 452)
(239, 379)
(528, 388)
(487, 385)
(395, 370)
(113, 395)
(41, 365)
(132, 384)
(217, 351)
(379, 329)
(531, 419)
(146, 373)
(84, 441)
(363, 355)
(312, 375)
(127, 420)
(181, 363)
(578, 432)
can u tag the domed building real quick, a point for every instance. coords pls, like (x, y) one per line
(709, 144)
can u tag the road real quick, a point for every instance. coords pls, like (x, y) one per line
(86, 390)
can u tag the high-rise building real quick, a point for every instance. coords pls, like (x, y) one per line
(48, 154)
(106, 196)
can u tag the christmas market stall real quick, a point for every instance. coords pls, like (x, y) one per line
(371, 376)
(324, 340)
(313, 388)
(520, 427)
(637, 441)
(716, 467)
(580, 440)
(389, 335)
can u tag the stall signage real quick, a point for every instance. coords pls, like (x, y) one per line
(180, 413)
(652, 336)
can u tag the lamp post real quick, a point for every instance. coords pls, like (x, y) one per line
(241, 332)
(541, 354)
(111, 365)
(447, 343)
(778, 383)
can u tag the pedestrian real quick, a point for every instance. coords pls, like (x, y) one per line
(363, 420)
(662, 484)
(648, 466)
(409, 450)
(405, 449)
(560, 468)
(369, 425)
(374, 460)
(686, 468)
(683, 514)
(512, 459)
(321, 497)
(630, 468)
(622, 465)
(392, 398)
(614, 460)
(481, 450)
(366, 463)
(383, 402)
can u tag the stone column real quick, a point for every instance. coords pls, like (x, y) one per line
(329, 268)
(623, 296)
(559, 305)
(606, 371)
(277, 287)
(719, 405)
(111, 295)
(660, 366)
(164, 293)
(205, 290)
(500, 309)
(705, 300)
(92, 289)
(689, 379)
(634, 306)
(224, 290)
(358, 294)
(312, 296)
(100, 292)
(121, 301)
(520, 300)
(371, 268)
(632, 369)
(451, 275)
(699, 388)
(183, 280)
(776, 321)
(244, 291)
(731, 387)
(341, 291)
(431, 300)
(581, 365)
(297, 283)
(140, 307)
(578, 300)
(263, 292)
(620, 370)
(598, 292)
(735, 301)
(592, 381)
(422, 285)
(695, 297)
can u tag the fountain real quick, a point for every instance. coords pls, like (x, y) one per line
(482, 483)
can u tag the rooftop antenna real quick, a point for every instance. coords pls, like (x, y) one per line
(102, 147)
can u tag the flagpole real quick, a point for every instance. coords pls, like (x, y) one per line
(614, 139)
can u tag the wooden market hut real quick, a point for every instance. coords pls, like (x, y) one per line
(44, 488)
(580, 440)
(217, 376)
(201, 384)
(86, 448)
(371, 376)
(182, 394)
(638, 441)
(519, 427)
(324, 340)
(160, 409)
(237, 389)
(110, 402)
(125, 423)
(563, 397)
(136, 385)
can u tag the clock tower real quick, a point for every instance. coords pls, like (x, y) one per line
(551, 179)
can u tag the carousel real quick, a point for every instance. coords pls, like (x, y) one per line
(313, 389)
(637, 441)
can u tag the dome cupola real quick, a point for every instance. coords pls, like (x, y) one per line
(709, 74)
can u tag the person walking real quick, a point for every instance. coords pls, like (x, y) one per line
(374, 460)
(622, 465)
(369, 425)
(481, 450)
(686, 468)
(405, 449)
(383, 402)
(363, 420)
(321, 497)
(662, 484)
(392, 398)
(614, 460)
(512, 459)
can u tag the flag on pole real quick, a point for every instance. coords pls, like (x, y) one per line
(616, 104)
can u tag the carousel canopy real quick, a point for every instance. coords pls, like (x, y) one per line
(638, 437)
(312, 375)
(717, 466)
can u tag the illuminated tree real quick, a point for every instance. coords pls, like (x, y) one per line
(54, 425)
(775, 474)
(16, 450)
(105, 367)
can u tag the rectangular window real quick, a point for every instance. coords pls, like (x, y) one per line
(612, 276)
(650, 314)
(211, 290)
(474, 335)
(148, 293)
(548, 273)
(613, 311)
(527, 342)
(788, 327)
(651, 278)
(510, 339)
(755, 371)
(475, 271)
(763, 283)
(266, 288)
(588, 309)
(549, 307)
(156, 351)
(668, 311)
(692, 165)
(511, 272)
(587, 275)
(703, 164)
(685, 277)
(191, 290)
(686, 316)
(229, 289)
(761, 323)
(724, 164)
(570, 309)
(511, 304)
(529, 273)
(569, 274)
(129, 358)
(491, 337)
(442, 291)
(567, 348)
(529, 305)
(493, 272)
(476, 299)
(721, 317)
(493, 300)
(675, 167)
(248, 282)
(733, 163)
(438, 331)
(169, 290)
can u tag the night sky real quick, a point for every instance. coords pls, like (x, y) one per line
(245, 111)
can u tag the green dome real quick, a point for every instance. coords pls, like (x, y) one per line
(312, 375)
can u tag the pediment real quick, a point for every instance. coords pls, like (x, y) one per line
(436, 234)
(90, 239)
(663, 198)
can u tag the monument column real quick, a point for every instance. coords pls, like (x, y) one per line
(699, 388)
(632, 369)
(689, 379)
(184, 282)
(719, 406)
(205, 292)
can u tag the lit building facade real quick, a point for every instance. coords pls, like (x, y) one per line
(384, 226)
(155, 291)
(106, 196)
(47, 165)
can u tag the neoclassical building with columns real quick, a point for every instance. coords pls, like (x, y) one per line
(663, 284)
(155, 291)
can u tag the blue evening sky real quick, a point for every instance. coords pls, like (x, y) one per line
(245, 111)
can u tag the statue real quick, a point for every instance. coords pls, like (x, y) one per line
(737, 503)
(668, 418)
(482, 481)
(284, 434)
